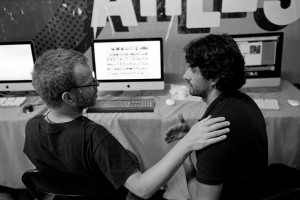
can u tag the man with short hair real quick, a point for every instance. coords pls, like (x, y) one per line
(226, 170)
(66, 141)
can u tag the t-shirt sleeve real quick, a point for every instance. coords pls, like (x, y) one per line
(116, 163)
(212, 163)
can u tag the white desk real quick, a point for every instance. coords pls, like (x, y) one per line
(13, 162)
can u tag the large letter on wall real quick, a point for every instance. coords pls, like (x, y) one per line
(105, 8)
(235, 6)
(279, 16)
(196, 18)
(173, 7)
(148, 7)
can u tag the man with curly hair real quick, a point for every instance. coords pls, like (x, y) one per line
(225, 170)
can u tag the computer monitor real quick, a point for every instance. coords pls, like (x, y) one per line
(128, 64)
(262, 53)
(16, 63)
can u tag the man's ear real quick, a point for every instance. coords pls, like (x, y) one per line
(214, 83)
(68, 97)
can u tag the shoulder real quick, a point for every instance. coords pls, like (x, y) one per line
(237, 103)
(35, 120)
(93, 130)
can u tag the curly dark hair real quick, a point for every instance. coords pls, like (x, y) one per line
(218, 58)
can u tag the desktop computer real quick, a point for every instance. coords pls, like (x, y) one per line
(130, 64)
(263, 54)
(17, 60)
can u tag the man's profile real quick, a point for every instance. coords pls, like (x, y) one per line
(228, 169)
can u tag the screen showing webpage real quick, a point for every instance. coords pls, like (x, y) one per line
(259, 54)
(128, 60)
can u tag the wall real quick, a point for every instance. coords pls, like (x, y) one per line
(75, 23)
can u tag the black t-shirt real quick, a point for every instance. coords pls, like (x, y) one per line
(238, 160)
(80, 146)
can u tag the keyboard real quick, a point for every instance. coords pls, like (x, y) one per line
(12, 101)
(123, 105)
(267, 104)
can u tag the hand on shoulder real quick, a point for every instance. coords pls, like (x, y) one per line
(206, 132)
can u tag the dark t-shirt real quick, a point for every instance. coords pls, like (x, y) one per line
(80, 146)
(238, 160)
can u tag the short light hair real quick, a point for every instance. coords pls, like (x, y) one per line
(53, 74)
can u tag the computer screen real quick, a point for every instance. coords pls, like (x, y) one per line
(128, 64)
(262, 53)
(16, 63)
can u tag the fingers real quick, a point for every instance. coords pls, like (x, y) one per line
(180, 117)
(169, 131)
(209, 121)
(215, 140)
(211, 131)
(218, 126)
(170, 134)
(202, 143)
(205, 119)
(217, 133)
(172, 130)
(170, 139)
(209, 141)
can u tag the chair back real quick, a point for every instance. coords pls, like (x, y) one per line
(65, 184)
(279, 182)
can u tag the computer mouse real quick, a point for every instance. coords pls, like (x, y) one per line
(170, 102)
(293, 102)
(27, 108)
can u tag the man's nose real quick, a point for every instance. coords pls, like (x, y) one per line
(185, 76)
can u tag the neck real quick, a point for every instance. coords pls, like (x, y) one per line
(63, 114)
(211, 96)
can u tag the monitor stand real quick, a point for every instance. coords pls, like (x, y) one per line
(132, 93)
(109, 93)
(120, 93)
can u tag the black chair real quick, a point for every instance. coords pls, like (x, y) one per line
(279, 182)
(69, 186)
(289, 194)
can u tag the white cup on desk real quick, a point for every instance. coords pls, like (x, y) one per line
(182, 92)
(179, 92)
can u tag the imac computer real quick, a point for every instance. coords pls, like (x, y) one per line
(262, 53)
(16, 63)
(128, 64)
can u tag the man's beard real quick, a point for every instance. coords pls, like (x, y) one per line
(83, 103)
(198, 93)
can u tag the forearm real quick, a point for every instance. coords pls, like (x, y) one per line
(190, 172)
(147, 183)
(198, 190)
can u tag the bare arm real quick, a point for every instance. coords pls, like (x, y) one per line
(200, 136)
(199, 191)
